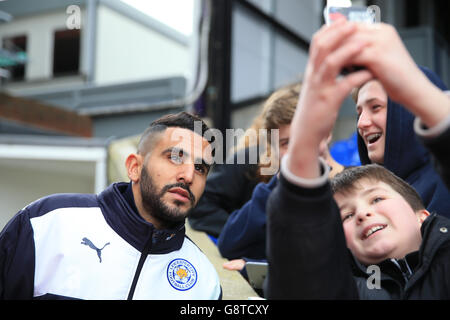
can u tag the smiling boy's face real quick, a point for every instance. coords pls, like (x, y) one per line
(378, 222)
(371, 108)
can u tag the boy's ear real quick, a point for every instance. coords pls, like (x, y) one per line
(133, 164)
(422, 215)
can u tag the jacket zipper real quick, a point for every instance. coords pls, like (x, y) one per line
(404, 270)
(142, 259)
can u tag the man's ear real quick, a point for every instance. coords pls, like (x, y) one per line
(422, 215)
(133, 164)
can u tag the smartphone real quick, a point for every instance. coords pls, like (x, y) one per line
(368, 15)
(257, 272)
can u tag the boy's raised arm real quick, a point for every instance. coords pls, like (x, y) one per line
(307, 253)
(322, 95)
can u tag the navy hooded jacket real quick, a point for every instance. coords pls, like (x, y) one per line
(244, 234)
(406, 156)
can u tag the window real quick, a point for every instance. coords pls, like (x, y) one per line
(412, 15)
(15, 49)
(264, 50)
(66, 52)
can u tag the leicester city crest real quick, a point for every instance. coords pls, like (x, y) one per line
(181, 274)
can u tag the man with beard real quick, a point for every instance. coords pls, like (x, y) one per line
(128, 242)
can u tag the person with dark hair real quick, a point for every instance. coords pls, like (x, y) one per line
(127, 242)
(367, 234)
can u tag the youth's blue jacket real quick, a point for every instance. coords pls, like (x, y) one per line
(228, 188)
(406, 156)
(244, 234)
(98, 247)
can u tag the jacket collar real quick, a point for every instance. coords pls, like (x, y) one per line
(435, 231)
(121, 215)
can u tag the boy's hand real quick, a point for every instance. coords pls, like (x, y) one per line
(387, 58)
(390, 62)
(236, 264)
(322, 94)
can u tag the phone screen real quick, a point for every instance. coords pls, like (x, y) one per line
(357, 14)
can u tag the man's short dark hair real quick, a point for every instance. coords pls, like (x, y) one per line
(182, 120)
(345, 182)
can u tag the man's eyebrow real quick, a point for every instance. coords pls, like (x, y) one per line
(174, 149)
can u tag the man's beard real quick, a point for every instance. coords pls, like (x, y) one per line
(154, 205)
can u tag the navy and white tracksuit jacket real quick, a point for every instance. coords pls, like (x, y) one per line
(86, 246)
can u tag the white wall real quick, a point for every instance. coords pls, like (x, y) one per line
(130, 51)
(39, 30)
(23, 181)
(29, 172)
